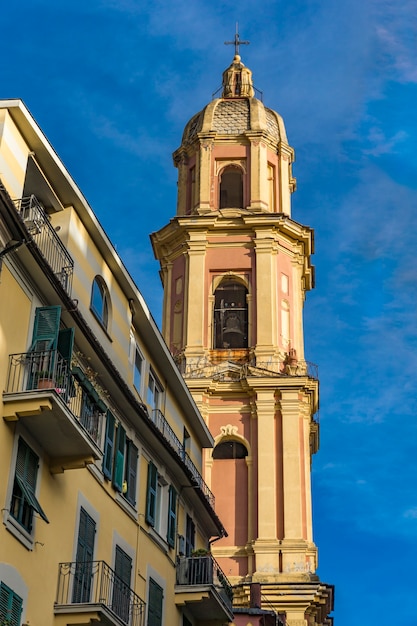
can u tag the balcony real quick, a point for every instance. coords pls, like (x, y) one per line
(93, 593)
(165, 429)
(44, 235)
(227, 365)
(55, 408)
(202, 586)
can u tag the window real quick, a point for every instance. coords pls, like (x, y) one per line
(47, 339)
(84, 558)
(154, 391)
(131, 464)
(230, 450)
(189, 536)
(151, 494)
(121, 588)
(137, 372)
(10, 606)
(120, 459)
(24, 502)
(230, 315)
(231, 188)
(156, 505)
(100, 301)
(155, 599)
(172, 517)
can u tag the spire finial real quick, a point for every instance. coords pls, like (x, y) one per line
(237, 42)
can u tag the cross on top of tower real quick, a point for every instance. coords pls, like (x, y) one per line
(237, 42)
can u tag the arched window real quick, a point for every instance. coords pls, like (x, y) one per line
(231, 188)
(230, 482)
(230, 316)
(100, 301)
(230, 450)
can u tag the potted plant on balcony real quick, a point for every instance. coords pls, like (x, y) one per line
(200, 567)
(43, 379)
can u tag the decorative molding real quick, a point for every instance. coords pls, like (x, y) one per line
(229, 430)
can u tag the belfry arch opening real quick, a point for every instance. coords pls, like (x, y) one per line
(230, 479)
(231, 188)
(230, 316)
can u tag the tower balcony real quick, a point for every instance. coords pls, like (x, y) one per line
(91, 592)
(55, 408)
(43, 234)
(202, 586)
(240, 364)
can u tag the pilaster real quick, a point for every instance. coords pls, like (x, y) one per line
(266, 249)
(258, 173)
(197, 245)
(205, 175)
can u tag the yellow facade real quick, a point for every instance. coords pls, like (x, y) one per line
(235, 269)
(101, 443)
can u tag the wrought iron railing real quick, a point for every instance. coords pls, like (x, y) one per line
(204, 570)
(44, 235)
(162, 425)
(94, 582)
(204, 367)
(48, 370)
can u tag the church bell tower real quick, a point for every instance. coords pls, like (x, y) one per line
(235, 269)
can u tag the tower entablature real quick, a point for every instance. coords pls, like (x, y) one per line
(235, 153)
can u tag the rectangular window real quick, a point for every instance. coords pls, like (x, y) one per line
(24, 502)
(120, 459)
(137, 372)
(47, 341)
(109, 446)
(121, 588)
(10, 606)
(189, 537)
(154, 392)
(155, 600)
(84, 558)
(131, 465)
(151, 494)
(172, 517)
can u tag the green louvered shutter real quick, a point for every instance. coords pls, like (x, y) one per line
(123, 566)
(109, 446)
(172, 516)
(151, 494)
(10, 606)
(119, 458)
(27, 463)
(131, 471)
(121, 589)
(45, 328)
(83, 575)
(155, 599)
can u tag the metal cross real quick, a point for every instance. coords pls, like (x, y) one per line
(237, 42)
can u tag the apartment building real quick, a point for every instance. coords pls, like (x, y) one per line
(106, 518)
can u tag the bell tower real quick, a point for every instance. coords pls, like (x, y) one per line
(235, 269)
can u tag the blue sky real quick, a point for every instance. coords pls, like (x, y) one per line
(112, 84)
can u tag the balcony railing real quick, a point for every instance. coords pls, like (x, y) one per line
(201, 571)
(44, 235)
(204, 367)
(95, 583)
(29, 371)
(162, 425)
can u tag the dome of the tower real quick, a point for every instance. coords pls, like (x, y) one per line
(237, 112)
